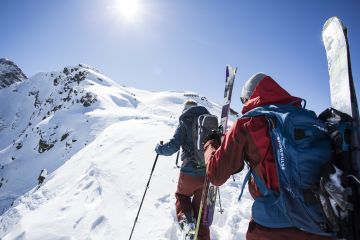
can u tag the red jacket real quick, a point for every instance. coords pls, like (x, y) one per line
(248, 140)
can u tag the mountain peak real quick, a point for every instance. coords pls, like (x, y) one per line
(10, 73)
(95, 138)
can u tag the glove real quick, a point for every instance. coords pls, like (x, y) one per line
(336, 138)
(157, 149)
(215, 135)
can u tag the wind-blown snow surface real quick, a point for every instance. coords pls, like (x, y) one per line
(97, 140)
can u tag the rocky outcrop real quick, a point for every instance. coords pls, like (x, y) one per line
(10, 73)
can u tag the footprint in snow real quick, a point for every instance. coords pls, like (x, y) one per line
(63, 209)
(98, 228)
(162, 200)
(95, 196)
(93, 172)
(100, 220)
(77, 222)
(22, 236)
(88, 185)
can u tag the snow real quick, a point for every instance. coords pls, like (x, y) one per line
(98, 172)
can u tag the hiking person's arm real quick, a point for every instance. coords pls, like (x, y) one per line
(174, 143)
(223, 160)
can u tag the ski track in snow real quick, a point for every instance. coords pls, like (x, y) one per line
(98, 173)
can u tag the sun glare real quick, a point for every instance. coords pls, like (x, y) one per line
(129, 9)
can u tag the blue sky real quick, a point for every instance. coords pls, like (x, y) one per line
(182, 44)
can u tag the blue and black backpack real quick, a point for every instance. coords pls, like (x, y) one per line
(202, 126)
(302, 147)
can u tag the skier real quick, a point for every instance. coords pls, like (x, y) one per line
(248, 140)
(191, 179)
(42, 176)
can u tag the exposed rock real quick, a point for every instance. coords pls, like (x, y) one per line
(10, 73)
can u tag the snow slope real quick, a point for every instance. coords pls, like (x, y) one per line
(97, 140)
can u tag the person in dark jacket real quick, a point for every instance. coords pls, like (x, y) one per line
(192, 176)
(42, 176)
(248, 139)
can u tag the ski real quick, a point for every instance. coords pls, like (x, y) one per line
(229, 83)
(212, 191)
(208, 198)
(343, 99)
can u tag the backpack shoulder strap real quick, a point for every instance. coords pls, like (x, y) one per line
(194, 128)
(265, 191)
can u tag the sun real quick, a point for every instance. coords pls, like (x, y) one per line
(129, 10)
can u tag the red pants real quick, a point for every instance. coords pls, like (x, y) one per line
(190, 186)
(258, 232)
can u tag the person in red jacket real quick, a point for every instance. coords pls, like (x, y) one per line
(248, 140)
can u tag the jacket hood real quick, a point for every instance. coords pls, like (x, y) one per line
(193, 112)
(268, 92)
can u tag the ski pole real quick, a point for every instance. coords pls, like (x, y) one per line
(147, 186)
(221, 209)
(177, 159)
(202, 205)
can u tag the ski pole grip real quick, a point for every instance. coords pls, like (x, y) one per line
(161, 142)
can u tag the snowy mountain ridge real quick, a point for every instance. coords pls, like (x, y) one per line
(96, 138)
(50, 111)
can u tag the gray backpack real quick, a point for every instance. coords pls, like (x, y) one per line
(201, 127)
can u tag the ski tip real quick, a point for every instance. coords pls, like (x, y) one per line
(230, 70)
(333, 20)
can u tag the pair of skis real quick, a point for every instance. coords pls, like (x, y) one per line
(210, 192)
(343, 99)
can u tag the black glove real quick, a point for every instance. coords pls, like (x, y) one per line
(336, 138)
(213, 135)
